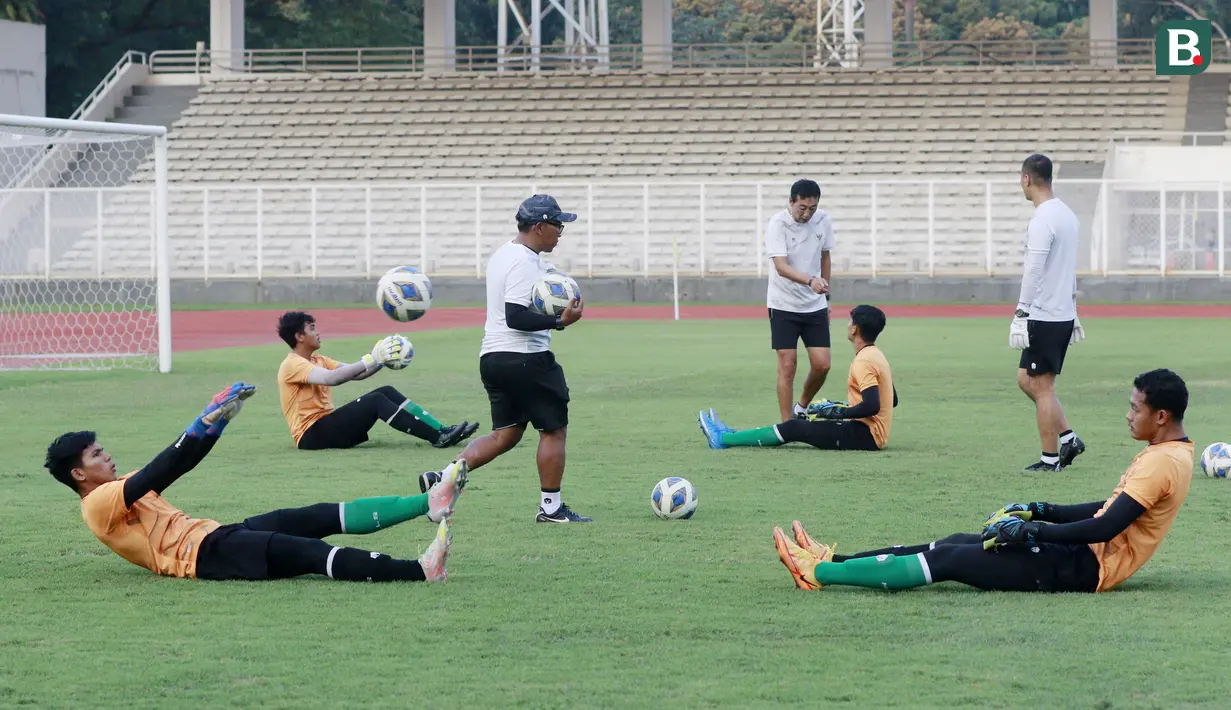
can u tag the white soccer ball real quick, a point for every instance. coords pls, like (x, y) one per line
(553, 293)
(408, 354)
(674, 498)
(1216, 460)
(404, 293)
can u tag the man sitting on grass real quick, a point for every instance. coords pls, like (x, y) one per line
(130, 516)
(304, 381)
(861, 426)
(1039, 547)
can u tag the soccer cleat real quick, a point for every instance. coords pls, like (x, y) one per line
(1042, 466)
(562, 515)
(442, 496)
(798, 561)
(453, 434)
(1074, 448)
(427, 479)
(720, 425)
(712, 434)
(821, 551)
(437, 554)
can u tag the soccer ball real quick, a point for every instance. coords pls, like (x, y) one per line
(553, 293)
(408, 354)
(404, 294)
(1216, 460)
(674, 498)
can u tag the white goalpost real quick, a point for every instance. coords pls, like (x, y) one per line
(84, 265)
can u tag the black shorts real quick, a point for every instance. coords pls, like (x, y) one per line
(829, 434)
(343, 428)
(235, 552)
(525, 388)
(787, 327)
(1049, 342)
(1042, 567)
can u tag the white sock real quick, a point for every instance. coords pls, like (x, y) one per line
(1053, 460)
(799, 409)
(1066, 438)
(550, 501)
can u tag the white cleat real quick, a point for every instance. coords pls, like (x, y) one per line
(433, 560)
(443, 496)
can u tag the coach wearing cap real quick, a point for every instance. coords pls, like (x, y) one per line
(524, 383)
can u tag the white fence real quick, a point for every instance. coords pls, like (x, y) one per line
(318, 230)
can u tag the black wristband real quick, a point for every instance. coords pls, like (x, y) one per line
(1038, 511)
(559, 323)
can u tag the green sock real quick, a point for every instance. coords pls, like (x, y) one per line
(367, 515)
(422, 415)
(880, 572)
(764, 436)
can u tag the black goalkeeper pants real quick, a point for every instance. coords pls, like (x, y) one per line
(348, 425)
(287, 543)
(1043, 567)
(830, 434)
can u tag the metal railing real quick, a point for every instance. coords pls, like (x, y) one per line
(357, 230)
(130, 57)
(1183, 138)
(781, 55)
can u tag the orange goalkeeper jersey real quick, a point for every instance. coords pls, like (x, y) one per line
(152, 533)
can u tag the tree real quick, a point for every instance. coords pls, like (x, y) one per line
(999, 28)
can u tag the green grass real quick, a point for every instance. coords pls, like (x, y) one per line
(629, 611)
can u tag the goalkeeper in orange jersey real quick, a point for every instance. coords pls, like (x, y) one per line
(130, 516)
(1043, 547)
(862, 425)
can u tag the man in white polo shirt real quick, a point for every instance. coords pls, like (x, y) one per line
(1046, 322)
(798, 241)
(524, 383)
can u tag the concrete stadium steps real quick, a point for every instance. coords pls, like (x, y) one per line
(611, 127)
(608, 238)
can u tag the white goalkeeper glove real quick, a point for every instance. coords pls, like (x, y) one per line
(1079, 333)
(386, 350)
(1019, 334)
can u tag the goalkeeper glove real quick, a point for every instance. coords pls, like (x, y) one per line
(224, 407)
(1025, 511)
(1079, 333)
(825, 409)
(1019, 333)
(386, 350)
(1010, 531)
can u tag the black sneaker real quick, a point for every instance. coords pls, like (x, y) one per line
(1070, 451)
(453, 434)
(563, 515)
(1041, 466)
(428, 479)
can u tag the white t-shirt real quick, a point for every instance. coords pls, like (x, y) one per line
(802, 245)
(1049, 279)
(511, 274)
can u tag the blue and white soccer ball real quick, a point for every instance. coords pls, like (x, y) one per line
(1216, 460)
(674, 498)
(404, 294)
(553, 293)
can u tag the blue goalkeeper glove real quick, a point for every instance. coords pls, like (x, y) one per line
(1010, 531)
(224, 407)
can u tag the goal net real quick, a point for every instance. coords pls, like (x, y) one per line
(84, 279)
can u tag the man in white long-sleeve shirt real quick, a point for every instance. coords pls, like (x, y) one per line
(1046, 323)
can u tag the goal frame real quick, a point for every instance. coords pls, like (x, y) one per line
(162, 253)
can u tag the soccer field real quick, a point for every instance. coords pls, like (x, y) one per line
(630, 611)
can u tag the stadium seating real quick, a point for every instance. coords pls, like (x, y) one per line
(559, 131)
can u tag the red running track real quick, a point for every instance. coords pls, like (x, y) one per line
(101, 333)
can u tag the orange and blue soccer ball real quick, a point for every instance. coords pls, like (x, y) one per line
(674, 498)
(404, 294)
